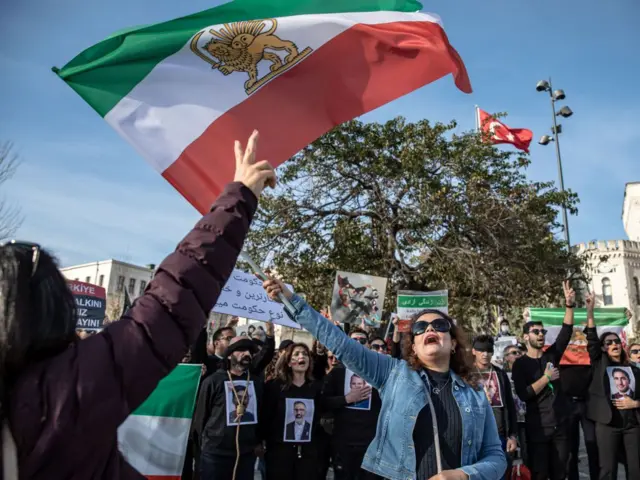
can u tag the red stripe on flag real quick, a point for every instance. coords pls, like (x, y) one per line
(354, 73)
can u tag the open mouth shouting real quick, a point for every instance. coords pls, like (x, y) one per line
(431, 338)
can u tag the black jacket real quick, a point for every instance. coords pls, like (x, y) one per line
(210, 422)
(351, 428)
(599, 407)
(549, 408)
(510, 418)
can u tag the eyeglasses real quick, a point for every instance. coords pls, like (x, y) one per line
(35, 249)
(377, 346)
(517, 353)
(615, 341)
(634, 352)
(441, 325)
(362, 340)
(538, 331)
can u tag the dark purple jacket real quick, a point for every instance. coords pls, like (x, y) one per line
(64, 412)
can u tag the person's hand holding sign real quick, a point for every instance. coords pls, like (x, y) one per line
(254, 175)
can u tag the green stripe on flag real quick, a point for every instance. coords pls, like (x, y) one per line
(106, 72)
(422, 301)
(614, 317)
(175, 395)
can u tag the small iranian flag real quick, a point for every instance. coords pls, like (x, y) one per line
(182, 91)
(153, 439)
(607, 320)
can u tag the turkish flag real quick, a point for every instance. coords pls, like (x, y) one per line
(498, 132)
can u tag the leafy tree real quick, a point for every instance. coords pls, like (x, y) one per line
(423, 206)
(10, 217)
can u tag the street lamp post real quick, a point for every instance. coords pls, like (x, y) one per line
(565, 112)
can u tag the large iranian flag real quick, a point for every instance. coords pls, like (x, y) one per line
(182, 91)
(153, 439)
(607, 320)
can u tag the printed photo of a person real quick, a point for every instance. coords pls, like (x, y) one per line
(298, 430)
(353, 381)
(493, 390)
(241, 404)
(622, 382)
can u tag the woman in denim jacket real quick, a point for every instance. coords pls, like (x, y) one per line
(437, 360)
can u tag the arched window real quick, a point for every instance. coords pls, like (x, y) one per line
(607, 291)
(637, 285)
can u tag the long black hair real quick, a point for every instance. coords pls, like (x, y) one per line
(37, 312)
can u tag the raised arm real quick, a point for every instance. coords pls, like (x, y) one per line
(371, 366)
(122, 365)
(566, 331)
(265, 355)
(593, 342)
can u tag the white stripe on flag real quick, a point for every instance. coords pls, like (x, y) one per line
(182, 96)
(154, 445)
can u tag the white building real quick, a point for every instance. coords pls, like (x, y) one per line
(114, 276)
(614, 265)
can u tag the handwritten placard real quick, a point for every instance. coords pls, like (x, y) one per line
(244, 296)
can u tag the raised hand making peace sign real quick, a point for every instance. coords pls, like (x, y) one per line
(254, 175)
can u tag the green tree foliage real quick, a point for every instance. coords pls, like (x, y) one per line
(426, 207)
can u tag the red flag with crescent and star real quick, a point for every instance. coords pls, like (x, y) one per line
(498, 132)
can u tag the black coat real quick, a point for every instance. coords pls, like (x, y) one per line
(599, 407)
(510, 418)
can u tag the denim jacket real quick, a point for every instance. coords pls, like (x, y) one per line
(403, 393)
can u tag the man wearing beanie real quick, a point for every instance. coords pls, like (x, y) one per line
(227, 410)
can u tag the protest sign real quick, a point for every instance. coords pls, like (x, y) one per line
(358, 298)
(411, 302)
(91, 305)
(499, 345)
(243, 296)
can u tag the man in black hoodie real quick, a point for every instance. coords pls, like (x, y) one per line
(227, 409)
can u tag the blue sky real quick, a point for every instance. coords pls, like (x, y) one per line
(88, 196)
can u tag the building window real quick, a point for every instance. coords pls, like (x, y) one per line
(132, 285)
(101, 280)
(143, 285)
(607, 291)
(120, 285)
(87, 280)
(636, 284)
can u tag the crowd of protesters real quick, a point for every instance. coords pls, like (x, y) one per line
(430, 406)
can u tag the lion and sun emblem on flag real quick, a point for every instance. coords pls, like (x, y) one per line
(241, 46)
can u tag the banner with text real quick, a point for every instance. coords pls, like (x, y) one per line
(243, 296)
(411, 302)
(91, 304)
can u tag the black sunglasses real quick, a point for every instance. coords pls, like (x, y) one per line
(377, 346)
(634, 352)
(362, 340)
(441, 325)
(615, 341)
(517, 353)
(537, 331)
(35, 250)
